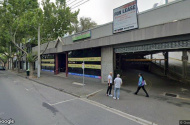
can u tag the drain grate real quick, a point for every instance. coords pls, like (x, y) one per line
(170, 95)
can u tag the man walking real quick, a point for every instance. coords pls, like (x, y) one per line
(118, 83)
(109, 84)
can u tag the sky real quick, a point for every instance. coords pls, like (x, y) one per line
(101, 11)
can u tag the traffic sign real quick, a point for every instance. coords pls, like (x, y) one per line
(83, 65)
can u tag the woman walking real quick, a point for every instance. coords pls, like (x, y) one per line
(141, 84)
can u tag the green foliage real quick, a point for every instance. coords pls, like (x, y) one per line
(85, 23)
(3, 58)
(20, 20)
(19, 55)
(13, 27)
(58, 19)
(31, 58)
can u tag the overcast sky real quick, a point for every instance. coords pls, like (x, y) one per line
(101, 11)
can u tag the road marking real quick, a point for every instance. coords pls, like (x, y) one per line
(183, 89)
(62, 102)
(28, 89)
(120, 113)
(77, 83)
(183, 98)
(91, 94)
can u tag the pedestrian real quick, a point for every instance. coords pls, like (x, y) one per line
(141, 84)
(109, 85)
(118, 83)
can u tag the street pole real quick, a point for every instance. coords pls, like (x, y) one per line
(39, 61)
(10, 62)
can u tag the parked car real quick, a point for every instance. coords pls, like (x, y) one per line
(2, 68)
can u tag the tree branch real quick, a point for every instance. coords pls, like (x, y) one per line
(15, 31)
(45, 48)
(19, 47)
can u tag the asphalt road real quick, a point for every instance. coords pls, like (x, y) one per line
(29, 103)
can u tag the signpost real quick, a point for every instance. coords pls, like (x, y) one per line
(83, 66)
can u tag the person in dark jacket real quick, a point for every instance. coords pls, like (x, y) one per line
(141, 84)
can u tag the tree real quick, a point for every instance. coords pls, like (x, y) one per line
(4, 59)
(58, 19)
(22, 20)
(55, 21)
(85, 23)
(6, 48)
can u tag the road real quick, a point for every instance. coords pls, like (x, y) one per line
(29, 103)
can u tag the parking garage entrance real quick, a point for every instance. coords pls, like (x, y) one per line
(129, 65)
(156, 63)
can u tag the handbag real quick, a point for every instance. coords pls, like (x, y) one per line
(145, 82)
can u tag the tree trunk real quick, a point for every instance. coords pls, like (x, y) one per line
(31, 70)
(12, 63)
(5, 65)
(18, 66)
(8, 64)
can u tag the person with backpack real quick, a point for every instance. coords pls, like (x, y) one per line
(141, 84)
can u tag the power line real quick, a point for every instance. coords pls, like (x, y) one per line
(79, 4)
(71, 2)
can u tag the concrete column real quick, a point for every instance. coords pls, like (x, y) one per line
(150, 65)
(184, 65)
(166, 63)
(106, 62)
(66, 64)
(151, 56)
(120, 57)
(114, 61)
(56, 64)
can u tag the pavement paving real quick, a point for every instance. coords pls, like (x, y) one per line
(156, 85)
(71, 86)
(29, 103)
(157, 109)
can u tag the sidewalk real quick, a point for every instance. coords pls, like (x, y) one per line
(72, 86)
(156, 87)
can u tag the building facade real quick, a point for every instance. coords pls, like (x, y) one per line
(161, 29)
